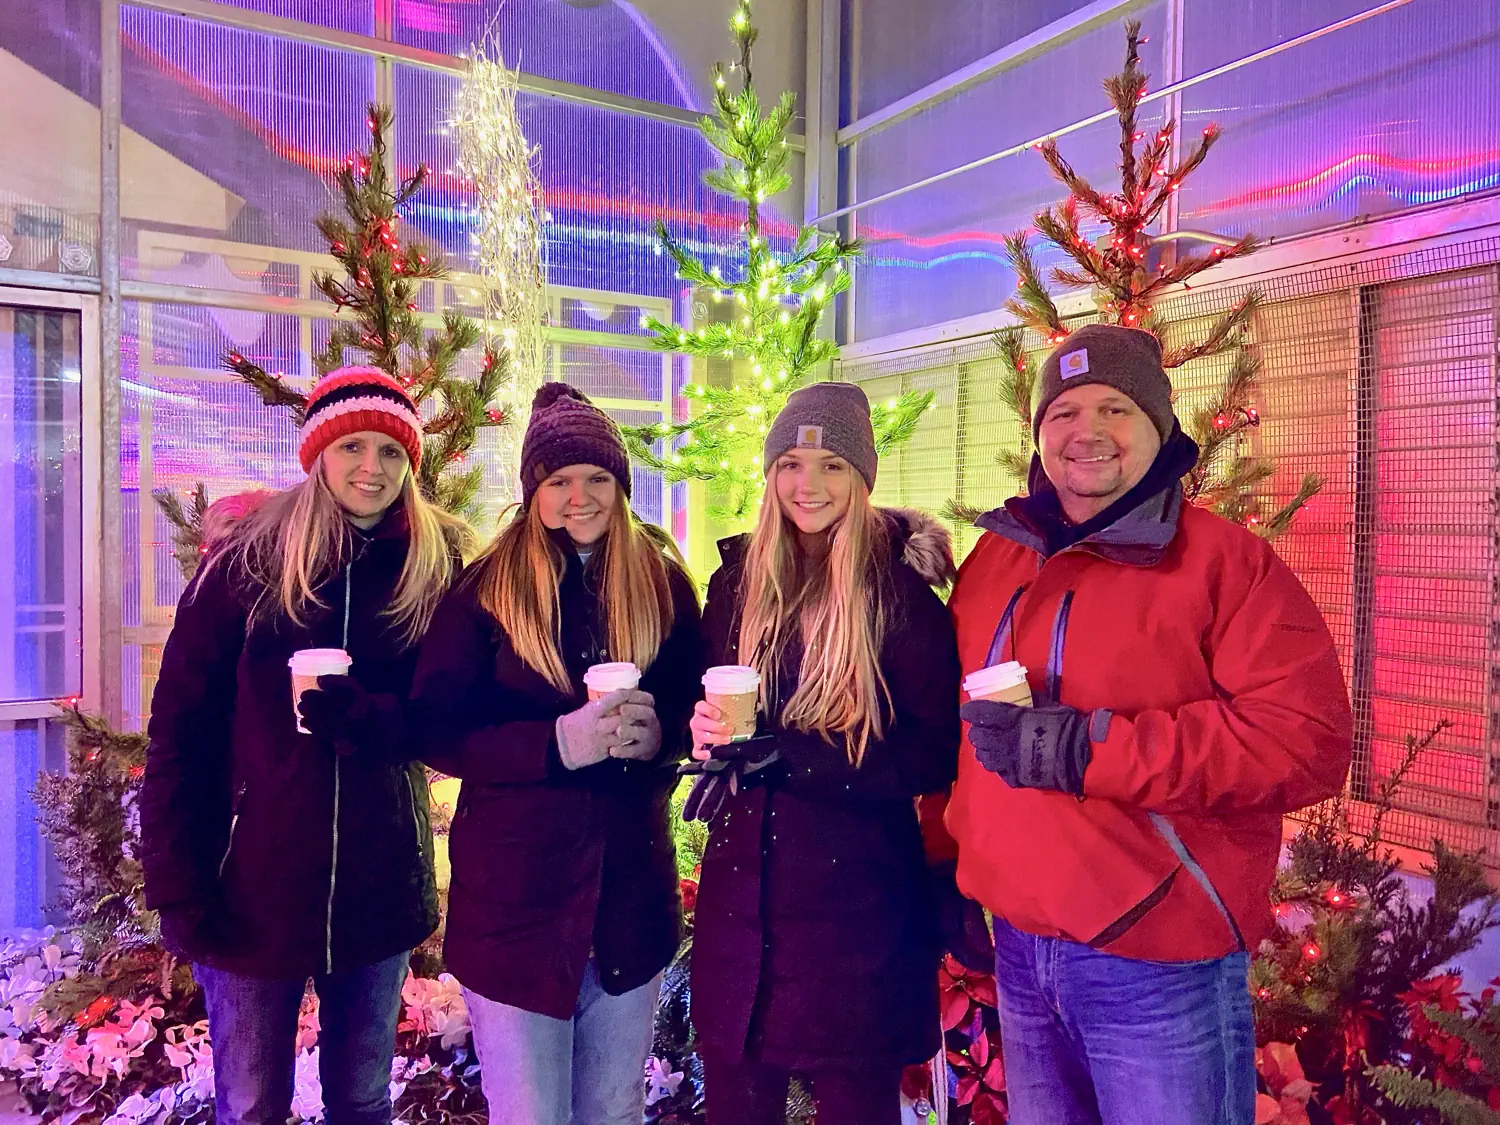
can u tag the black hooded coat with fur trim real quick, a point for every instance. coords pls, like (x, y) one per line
(815, 942)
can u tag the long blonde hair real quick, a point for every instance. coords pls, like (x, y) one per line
(838, 608)
(522, 569)
(298, 539)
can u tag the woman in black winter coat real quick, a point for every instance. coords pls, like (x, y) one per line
(563, 908)
(816, 941)
(272, 855)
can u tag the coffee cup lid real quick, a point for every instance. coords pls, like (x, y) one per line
(1010, 674)
(322, 661)
(621, 673)
(731, 679)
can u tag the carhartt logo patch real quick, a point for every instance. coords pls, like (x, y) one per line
(1074, 363)
(810, 437)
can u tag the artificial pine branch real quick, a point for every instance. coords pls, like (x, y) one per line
(1019, 384)
(963, 515)
(187, 525)
(1032, 305)
(273, 389)
(778, 301)
(1409, 1091)
(376, 299)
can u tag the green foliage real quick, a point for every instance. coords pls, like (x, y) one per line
(187, 525)
(779, 302)
(383, 275)
(1407, 1090)
(1339, 983)
(1226, 479)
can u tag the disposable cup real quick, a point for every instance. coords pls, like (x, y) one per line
(735, 690)
(307, 665)
(601, 679)
(1000, 683)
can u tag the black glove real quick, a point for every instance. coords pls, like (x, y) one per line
(1031, 747)
(733, 767)
(707, 796)
(343, 713)
(961, 922)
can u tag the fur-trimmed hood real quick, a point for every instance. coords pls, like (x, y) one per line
(917, 539)
(924, 544)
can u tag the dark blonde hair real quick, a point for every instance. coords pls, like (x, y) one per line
(836, 605)
(297, 540)
(521, 570)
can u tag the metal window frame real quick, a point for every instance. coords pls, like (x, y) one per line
(1172, 90)
(387, 52)
(1041, 41)
(92, 548)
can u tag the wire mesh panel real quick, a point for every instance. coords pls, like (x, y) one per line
(1379, 378)
(1434, 560)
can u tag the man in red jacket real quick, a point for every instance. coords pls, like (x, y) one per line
(1125, 829)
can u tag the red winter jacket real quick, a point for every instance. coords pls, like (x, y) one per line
(1228, 709)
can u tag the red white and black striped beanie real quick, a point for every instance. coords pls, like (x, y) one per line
(353, 400)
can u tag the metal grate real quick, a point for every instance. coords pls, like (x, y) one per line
(1381, 378)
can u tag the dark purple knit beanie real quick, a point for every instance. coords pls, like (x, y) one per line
(567, 429)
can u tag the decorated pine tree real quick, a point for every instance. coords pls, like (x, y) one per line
(1355, 953)
(779, 301)
(380, 323)
(1116, 267)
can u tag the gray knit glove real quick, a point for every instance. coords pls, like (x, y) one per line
(584, 736)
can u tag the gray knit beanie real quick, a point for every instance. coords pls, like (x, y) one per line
(567, 429)
(1127, 359)
(834, 417)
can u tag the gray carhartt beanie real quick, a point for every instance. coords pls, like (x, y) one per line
(834, 417)
(1127, 359)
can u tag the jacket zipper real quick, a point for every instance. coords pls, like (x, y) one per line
(411, 792)
(234, 821)
(333, 867)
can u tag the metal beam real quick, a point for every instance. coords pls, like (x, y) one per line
(207, 11)
(1109, 114)
(821, 169)
(111, 532)
(1012, 55)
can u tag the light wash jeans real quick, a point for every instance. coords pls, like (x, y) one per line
(253, 1024)
(1095, 1039)
(588, 1070)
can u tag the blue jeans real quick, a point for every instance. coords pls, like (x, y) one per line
(1095, 1039)
(253, 1026)
(588, 1070)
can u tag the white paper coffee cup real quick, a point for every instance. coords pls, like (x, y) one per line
(1000, 683)
(601, 679)
(735, 690)
(307, 665)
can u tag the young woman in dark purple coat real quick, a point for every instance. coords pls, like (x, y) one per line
(816, 940)
(563, 908)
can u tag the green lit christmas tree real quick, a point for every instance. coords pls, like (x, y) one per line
(779, 302)
(1126, 288)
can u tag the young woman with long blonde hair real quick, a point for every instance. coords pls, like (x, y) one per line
(815, 946)
(277, 853)
(563, 908)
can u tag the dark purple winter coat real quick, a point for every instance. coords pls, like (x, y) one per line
(304, 861)
(815, 944)
(550, 863)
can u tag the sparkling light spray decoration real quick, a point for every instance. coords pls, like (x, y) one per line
(508, 227)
